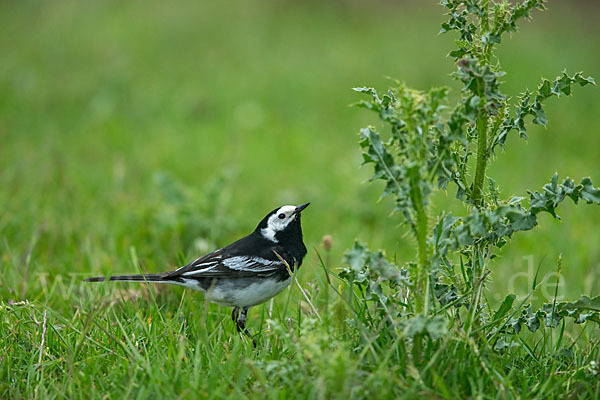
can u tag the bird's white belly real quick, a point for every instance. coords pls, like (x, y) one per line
(257, 292)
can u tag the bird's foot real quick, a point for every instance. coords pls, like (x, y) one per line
(241, 324)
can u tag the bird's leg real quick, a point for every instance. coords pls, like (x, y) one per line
(234, 316)
(241, 325)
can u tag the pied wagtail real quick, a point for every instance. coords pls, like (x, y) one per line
(248, 272)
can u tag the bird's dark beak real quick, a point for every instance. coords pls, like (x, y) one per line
(299, 209)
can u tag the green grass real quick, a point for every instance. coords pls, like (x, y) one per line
(135, 131)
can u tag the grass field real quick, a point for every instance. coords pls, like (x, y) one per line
(135, 136)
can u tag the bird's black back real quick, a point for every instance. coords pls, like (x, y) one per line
(288, 245)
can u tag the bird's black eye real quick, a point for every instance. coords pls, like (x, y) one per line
(281, 216)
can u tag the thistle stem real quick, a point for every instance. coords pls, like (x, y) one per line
(481, 126)
(421, 235)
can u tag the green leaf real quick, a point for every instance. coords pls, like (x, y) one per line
(415, 325)
(356, 257)
(554, 193)
(584, 303)
(588, 192)
(529, 104)
(549, 313)
(445, 294)
(379, 265)
(505, 307)
(437, 327)
(520, 220)
(532, 320)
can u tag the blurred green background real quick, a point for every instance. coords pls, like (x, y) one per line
(174, 128)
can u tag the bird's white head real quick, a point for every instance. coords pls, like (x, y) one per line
(279, 220)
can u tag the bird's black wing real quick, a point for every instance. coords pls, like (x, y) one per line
(219, 265)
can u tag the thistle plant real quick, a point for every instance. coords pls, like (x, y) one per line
(432, 145)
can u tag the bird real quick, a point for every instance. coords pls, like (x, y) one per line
(245, 273)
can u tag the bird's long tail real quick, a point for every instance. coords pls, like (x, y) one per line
(124, 278)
